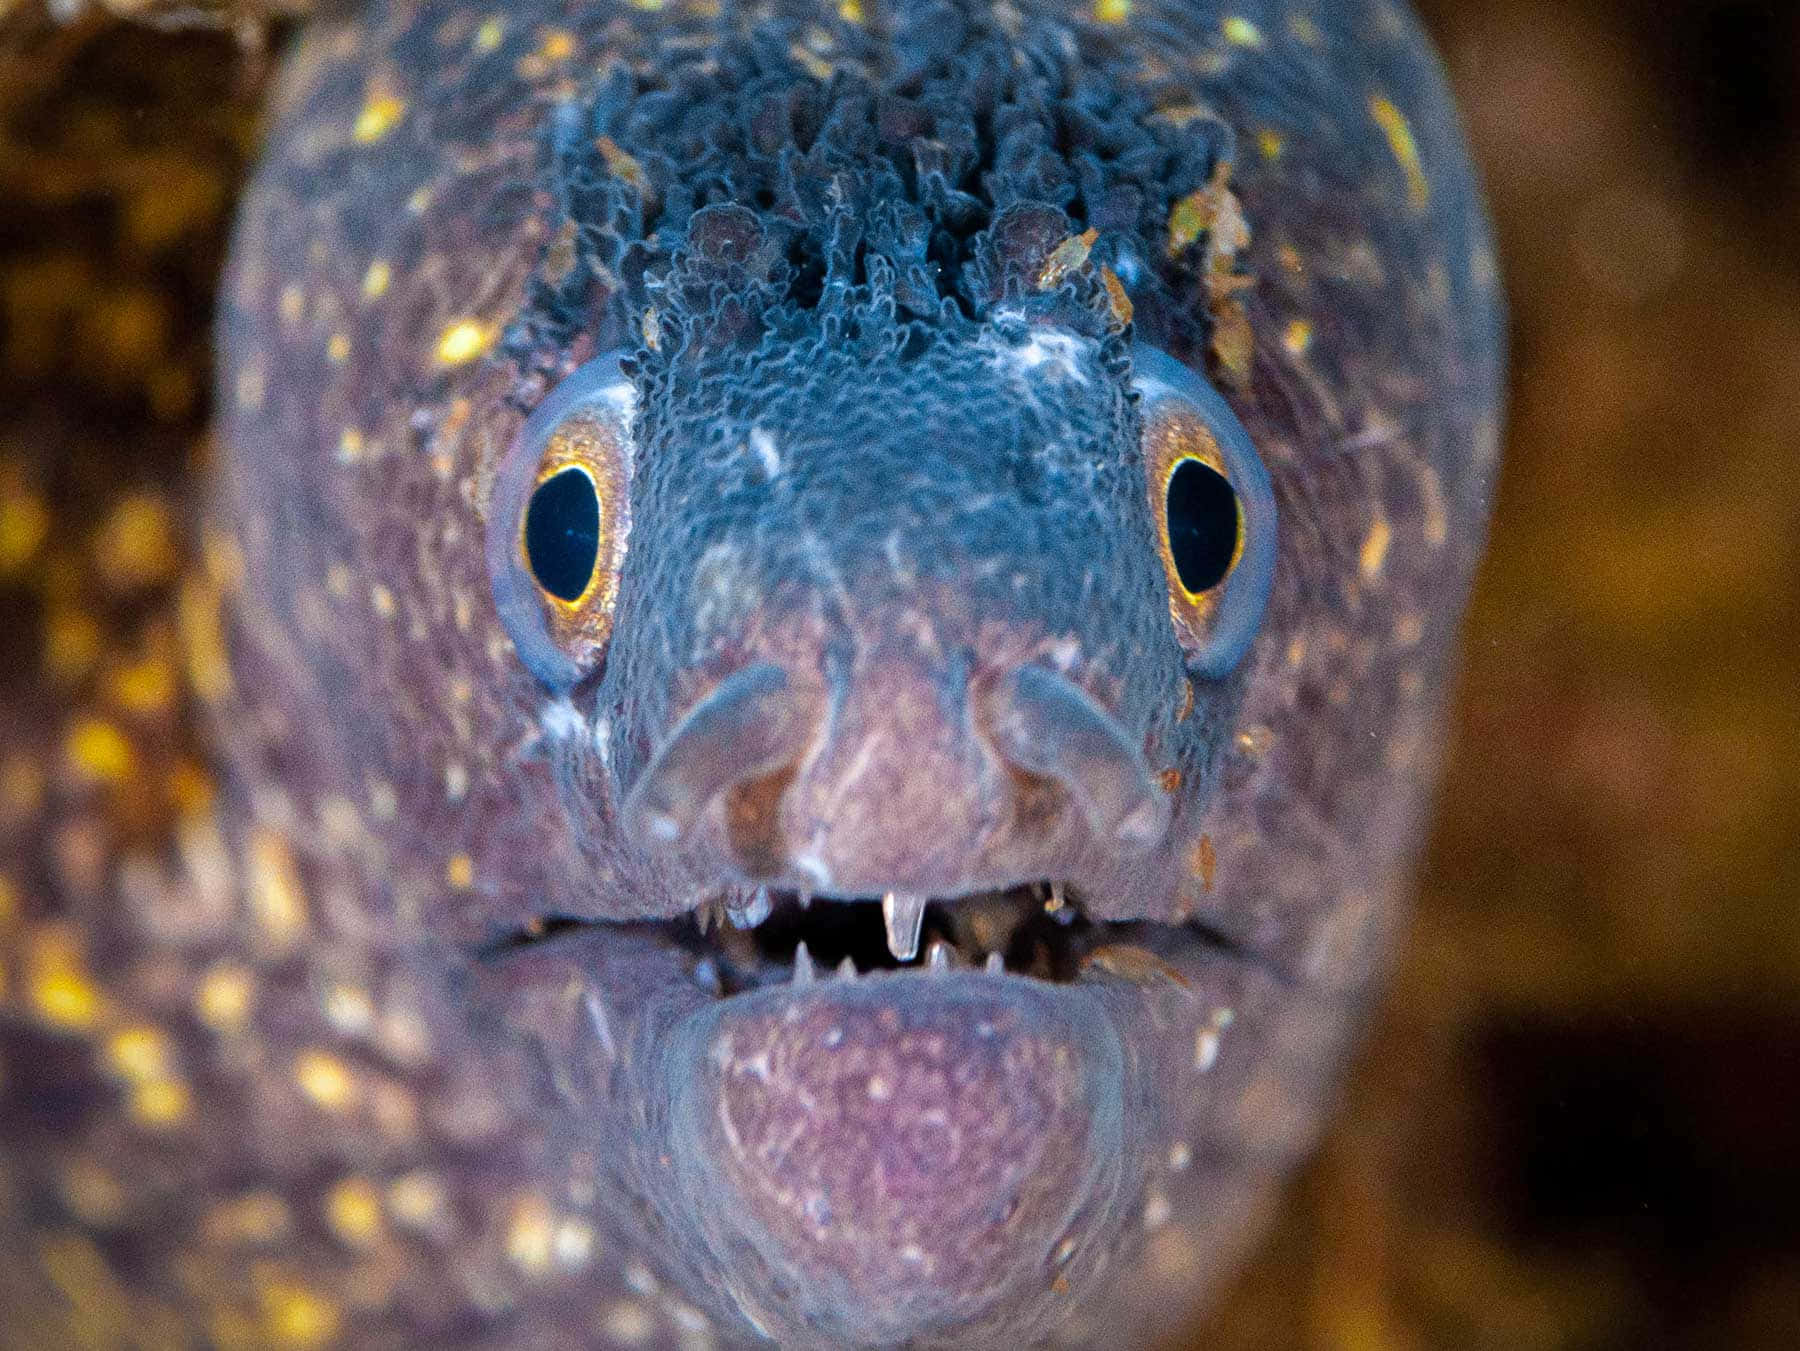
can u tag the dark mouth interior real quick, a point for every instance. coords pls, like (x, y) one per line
(1035, 929)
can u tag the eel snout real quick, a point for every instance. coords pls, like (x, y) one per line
(903, 780)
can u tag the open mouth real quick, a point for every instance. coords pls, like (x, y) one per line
(748, 939)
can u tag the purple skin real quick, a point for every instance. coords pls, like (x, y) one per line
(875, 626)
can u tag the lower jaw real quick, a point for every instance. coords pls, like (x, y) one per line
(850, 1160)
(901, 1157)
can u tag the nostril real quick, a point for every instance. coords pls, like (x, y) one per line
(754, 723)
(1047, 725)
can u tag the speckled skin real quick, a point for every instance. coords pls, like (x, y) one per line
(261, 1087)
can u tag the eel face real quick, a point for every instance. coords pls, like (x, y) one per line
(855, 598)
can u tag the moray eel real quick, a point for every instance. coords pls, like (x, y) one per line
(823, 628)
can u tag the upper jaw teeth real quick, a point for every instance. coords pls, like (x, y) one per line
(902, 915)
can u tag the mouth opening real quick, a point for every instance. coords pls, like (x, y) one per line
(1037, 930)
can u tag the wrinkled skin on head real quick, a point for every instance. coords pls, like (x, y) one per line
(884, 444)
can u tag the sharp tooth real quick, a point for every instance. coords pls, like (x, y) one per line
(902, 915)
(937, 957)
(752, 912)
(805, 898)
(995, 965)
(1056, 901)
(846, 970)
(803, 964)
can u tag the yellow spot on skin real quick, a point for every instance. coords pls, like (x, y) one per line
(1374, 549)
(460, 872)
(1112, 11)
(462, 342)
(292, 304)
(381, 600)
(488, 36)
(420, 199)
(349, 1009)
(353, 1210)
(416, 1200)
(350, 446)
(337, 348)
(1270, 143)
(99, 751)
(1305, 30)
(24, 522)
(277, 899)
(161, 1103)
(146, 686)
(1297, 337)
(1240, 32)
(57, 982)
(558, 45)
(138, 1053)
(137, 546)
(380, 115)
(294, 1316)
(851, 11)
(223, 1000)
(530, 1236)
(325, 1080)
(649, 5)
(1255, 740)
(1405, 146)
(376, 280)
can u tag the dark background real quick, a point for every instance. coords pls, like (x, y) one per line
(1575, 1123)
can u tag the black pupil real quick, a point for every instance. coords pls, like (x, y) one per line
(562, 533)
(1203, 525)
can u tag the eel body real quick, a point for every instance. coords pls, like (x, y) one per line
(732, 824)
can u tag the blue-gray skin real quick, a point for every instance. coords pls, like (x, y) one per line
(434, 1033)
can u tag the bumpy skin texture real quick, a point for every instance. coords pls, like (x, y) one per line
(321, 1076)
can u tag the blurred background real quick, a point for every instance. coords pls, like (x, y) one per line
(1576, 1123)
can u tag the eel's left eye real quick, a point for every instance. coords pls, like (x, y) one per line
(1214, 508)
(558, 520)
(562, 533)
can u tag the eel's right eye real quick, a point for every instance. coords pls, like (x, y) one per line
(558, 520)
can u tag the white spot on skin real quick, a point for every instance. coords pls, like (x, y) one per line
(1206, 1042)
(561, 720)
(766, 451)
(1048, 347)
(1156, 1211)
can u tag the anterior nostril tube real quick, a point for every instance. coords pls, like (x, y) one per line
(1045, 724)
(751, 725)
